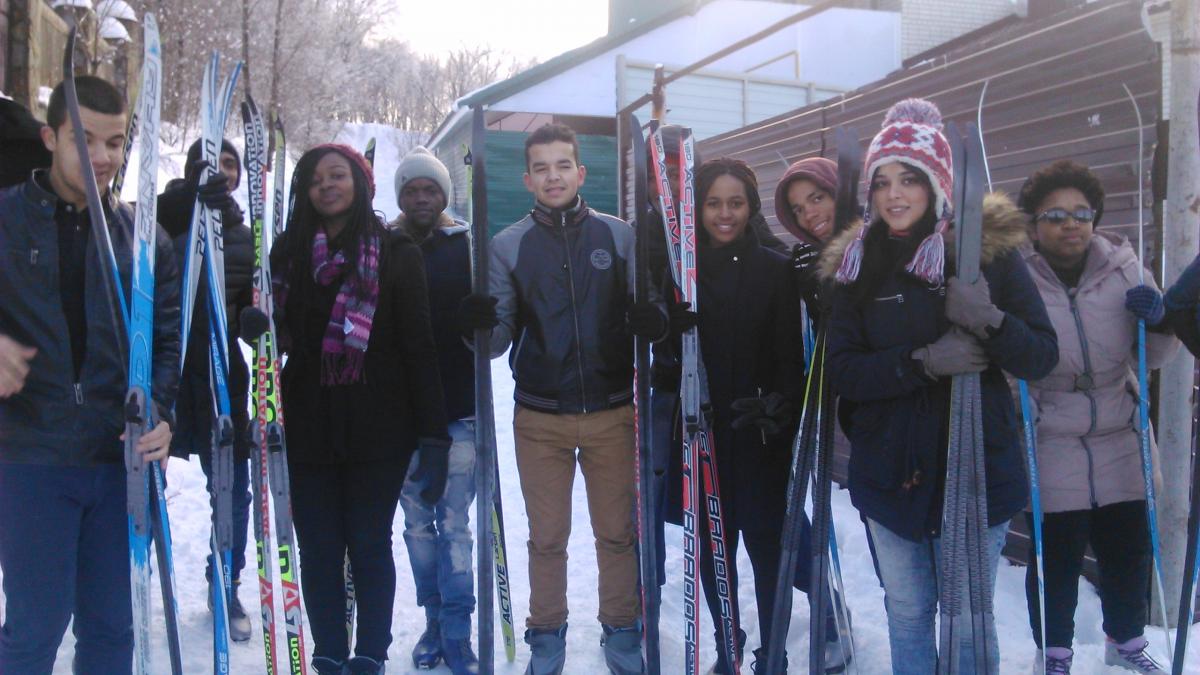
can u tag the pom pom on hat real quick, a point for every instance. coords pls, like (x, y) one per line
(914, 111)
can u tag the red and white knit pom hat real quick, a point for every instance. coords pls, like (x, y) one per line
(911, 134)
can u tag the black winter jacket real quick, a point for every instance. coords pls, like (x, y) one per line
(399, 399)
(56, 420)
(897, 426)
(564, 280)
(752, 345)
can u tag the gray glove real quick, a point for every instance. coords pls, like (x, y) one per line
(970, 306)
(956, 352)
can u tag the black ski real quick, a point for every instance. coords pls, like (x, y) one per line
(647, 533)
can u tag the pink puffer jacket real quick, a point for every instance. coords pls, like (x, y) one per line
(1087, 444)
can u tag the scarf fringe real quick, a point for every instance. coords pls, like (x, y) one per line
(342, 368)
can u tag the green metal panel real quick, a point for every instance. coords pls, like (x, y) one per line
(509, 201)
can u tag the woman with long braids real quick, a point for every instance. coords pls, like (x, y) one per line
(901, 326)
(362, 393)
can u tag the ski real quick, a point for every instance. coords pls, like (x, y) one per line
(1191, 572)
(698, 461)
(500, 560)
(254, 159)
(485, 421)
(131, 131)
(646, 501)
(964, 513)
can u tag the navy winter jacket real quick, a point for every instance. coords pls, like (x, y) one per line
(899, 416)
(564, 280)
(55, 419)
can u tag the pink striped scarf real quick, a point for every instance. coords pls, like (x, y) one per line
(344, 347)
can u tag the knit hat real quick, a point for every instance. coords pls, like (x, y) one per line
(421, 163)
(822, 172)
(355, 157)
(911, 134)
(193, 156)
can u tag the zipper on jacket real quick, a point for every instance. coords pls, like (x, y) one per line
(1087, 369)
(899, 297)
(33, 256)
(574, 314)
(78, 393)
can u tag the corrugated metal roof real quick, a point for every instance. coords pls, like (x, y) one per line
(1054, 91)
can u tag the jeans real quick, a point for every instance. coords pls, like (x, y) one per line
(1120, 538)
(342, 509)
(64, 549)
(439, 537)
(241, 509)
(909, 570)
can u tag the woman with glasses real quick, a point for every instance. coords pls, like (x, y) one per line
(1088, 454)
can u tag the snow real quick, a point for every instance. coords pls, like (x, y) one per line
(188, 503)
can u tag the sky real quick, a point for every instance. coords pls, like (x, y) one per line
(526, 29)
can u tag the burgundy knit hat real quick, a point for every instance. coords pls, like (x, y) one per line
(822, 172)
(355, 157)
(911, 134)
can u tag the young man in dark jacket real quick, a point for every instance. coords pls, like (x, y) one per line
(561, 282)
(437, 535)
(64, 546)
(194, 408)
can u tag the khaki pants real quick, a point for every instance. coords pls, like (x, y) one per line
(546, 446)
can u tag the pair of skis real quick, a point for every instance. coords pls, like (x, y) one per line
(134, 321)
(491, 551)
(269, 471)
(812, 454)
(699, 461)
(205, 254)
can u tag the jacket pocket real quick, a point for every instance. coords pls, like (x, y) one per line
(876, 446)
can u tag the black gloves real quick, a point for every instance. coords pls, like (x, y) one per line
(477, 312)
(646, 320)
(252, 323)
(214, 192)
(804, 257)
(772, 413)
(682, 318)
(433, 462)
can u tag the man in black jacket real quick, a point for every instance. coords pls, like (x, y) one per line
(194, 409)
(64, 546)
(561, 283)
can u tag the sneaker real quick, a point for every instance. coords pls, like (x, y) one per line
(837, 642)
(548, 651)
(460, 658)
(1055, 664)
(364, 665)
(324, 665)
(428, 651)
(623, 649)
(1135, 658)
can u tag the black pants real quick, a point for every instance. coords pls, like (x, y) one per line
(763, 548)
(340, 508)
(1120, 538)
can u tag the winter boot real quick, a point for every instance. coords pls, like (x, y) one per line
(239, 623)
(759, 665)
(721, 667)
(548, 650)
(1131, 655)
(460, 658)
(324, 665)
(623, 649)
(837, 643)
(364, 665)
(428, 650)
(1058, 662)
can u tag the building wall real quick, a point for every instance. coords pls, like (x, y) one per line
(925, 24)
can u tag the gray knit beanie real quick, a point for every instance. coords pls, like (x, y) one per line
(421, 163)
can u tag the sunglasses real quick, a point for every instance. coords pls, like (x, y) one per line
(1058, 216)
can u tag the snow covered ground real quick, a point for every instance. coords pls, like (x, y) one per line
(190, 527)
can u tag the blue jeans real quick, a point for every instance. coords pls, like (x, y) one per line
(439, 538)
(64, 549)
(241, 509)
(910, 584)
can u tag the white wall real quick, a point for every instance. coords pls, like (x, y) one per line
(842, 48)
(929, 23)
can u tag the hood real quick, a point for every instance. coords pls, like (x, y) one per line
(446, 224)
(823, 173)
(1004, 230)
(1107, 252)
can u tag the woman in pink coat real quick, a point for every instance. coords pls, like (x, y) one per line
(1088, 454)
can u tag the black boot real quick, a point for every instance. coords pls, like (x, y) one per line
(722, 667)
(428, 651)
(759, 665)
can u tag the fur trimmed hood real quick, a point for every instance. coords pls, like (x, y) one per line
(1004, 229)
(445, 222)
